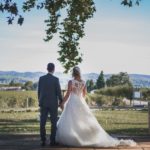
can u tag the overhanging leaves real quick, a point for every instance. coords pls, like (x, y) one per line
(70, 26)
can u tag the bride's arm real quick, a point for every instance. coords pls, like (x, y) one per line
(84, 91)
(68, 92)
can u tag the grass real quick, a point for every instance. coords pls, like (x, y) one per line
(19, 122)
(127, 122)
(116, 122)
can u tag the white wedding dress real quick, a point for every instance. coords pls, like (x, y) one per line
(78, 126)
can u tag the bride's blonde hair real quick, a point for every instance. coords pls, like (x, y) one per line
(76, 72)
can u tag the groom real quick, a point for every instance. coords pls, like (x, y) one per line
(49, 96)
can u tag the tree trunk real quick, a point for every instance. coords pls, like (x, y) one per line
(149, 116)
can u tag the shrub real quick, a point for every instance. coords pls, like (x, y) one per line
(100, 99)
(117, 91)
(118, 102)
(146, 93)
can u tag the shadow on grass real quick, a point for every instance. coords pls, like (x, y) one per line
(15, 121)
(130, 131)
(20, 126)
(23, 129)
(131, 123)
(15, 141)
(144, 111)
(21, 141)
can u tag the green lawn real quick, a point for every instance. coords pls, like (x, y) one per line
(117, 122)
(127, 122)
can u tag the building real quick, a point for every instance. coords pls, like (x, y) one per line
(11, 88)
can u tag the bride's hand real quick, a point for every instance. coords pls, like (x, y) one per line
(62, 105)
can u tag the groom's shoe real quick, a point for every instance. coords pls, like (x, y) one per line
(43, 143)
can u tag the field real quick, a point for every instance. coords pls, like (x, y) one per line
(18, 99)
(115, 122)
(124, 122)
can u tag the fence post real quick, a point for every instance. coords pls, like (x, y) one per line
(149, 116)
(27, 104)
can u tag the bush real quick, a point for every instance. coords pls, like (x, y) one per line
(145, 93)
(118, 102)
(117, 91)
(111, 95)
(99, 99)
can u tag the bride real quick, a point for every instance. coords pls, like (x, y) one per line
(77, 125)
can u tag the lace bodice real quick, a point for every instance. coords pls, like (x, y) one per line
(77, 87)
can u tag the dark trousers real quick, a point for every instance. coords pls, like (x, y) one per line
(43, 118)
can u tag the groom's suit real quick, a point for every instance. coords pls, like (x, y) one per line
(49, 95)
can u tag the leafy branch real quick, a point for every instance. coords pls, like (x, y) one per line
(70, 26)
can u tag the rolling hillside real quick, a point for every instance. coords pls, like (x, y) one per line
(139, 80)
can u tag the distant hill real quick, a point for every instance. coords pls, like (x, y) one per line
(138, 80)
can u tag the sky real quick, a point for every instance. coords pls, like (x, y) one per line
(117, 39)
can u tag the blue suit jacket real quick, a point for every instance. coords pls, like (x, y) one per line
(49, 91)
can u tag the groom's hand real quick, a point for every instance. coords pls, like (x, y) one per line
(62, 106)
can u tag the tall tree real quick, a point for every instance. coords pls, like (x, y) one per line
(12, 83)
(70, 27)
(119, 79)
(100, 83)
(90, 85)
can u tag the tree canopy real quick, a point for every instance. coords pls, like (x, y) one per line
(70, 27)
(119, 79)
(90, 85)
(100, 83)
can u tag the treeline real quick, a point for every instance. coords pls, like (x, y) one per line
(111, 91)
(145, 94)
(111, 95)
(28, 86)
(117, 79)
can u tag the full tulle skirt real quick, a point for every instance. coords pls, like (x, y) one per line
(78, 126)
